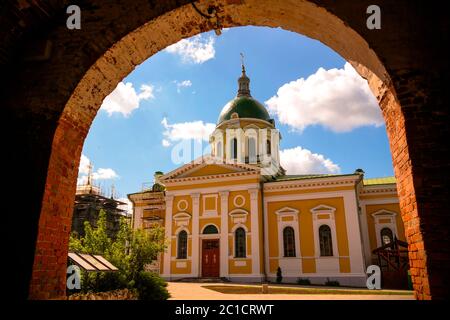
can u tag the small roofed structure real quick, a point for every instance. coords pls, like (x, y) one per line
(91, 262)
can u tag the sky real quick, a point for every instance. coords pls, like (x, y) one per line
(328, 118)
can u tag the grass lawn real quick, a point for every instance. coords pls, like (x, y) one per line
(244, 289)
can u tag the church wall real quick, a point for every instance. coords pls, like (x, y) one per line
(346, 265)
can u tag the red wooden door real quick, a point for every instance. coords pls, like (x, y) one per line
(210, 258)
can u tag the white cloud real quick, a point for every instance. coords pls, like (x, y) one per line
(100, 174)
(338, 99)
(124, 98)
(197, 130)
(128, 206)
(104, 174)
(84, 165)
(166, 143)
(182, 84)
(197, 49)
(302, 161)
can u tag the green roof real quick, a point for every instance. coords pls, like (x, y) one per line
(245, 107)
(375, 181)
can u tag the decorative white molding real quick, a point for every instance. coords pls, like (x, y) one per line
(234, 187)
(330, 222)
(168, 234)
(392, 224)
(195, 233)
(240, 263)
(255, 229)
(239, 201)
(182, 205)
(238, 216)
(209, 212)
(182, 219)
(294, 224)
(224, 250)
(313, 183)
(210, 224)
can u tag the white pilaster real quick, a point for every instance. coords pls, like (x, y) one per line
(224, 233)
(168, 233)
(195, 233)
(254, 230)
(365, 234)
(357, 263)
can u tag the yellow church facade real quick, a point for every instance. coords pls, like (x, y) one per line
(236, 214)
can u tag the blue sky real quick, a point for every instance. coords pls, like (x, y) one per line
(327, 118)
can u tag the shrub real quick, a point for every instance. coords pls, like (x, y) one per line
(279, 275)
(150, 286)
(332, 283)
(304, 281)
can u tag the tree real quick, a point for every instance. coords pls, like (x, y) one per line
(130, 252)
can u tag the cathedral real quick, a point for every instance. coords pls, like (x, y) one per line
(236, 214)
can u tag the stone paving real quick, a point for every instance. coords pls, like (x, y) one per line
(196, 291)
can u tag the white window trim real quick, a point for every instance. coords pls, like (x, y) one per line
(247, 236)
(331, 223)
(177, 232)
(238, 216)
(288, 212)
(182, 219)
(384, 214)
(251, 132)
(210, 224)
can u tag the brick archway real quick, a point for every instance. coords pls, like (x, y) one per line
(87, 65)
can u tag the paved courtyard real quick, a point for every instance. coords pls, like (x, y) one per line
(196, 291)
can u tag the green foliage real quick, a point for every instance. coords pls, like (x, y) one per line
(151, 287)
(332, 283)
(279, 275)
(304, 281)
(130, 252)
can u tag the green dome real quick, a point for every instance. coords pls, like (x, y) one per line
(245, 107)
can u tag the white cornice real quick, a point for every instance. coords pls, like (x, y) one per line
(314, 183)
(379, 189)
(234, 176)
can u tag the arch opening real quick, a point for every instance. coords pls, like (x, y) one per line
(305, 18)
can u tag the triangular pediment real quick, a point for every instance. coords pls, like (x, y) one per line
(208, 167)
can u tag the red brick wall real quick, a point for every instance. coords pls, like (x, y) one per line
(53, 102)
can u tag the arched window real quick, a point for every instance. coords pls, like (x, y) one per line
(211, 229)
(386, 236)
(251, 150)
(240, 243)
(182, 245)
(219, 149)
(233, 148)
(326, 244)
(268, 147)
(289, 242)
